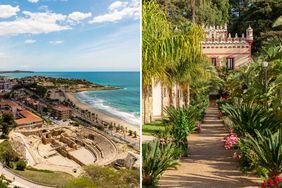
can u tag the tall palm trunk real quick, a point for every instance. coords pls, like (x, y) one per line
(162, 99)
(188, 95)
(185, 95)
(177, 96)
(170, 96)
(145, 95)
(193, 7)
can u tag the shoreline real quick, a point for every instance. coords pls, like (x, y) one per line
(102, 115)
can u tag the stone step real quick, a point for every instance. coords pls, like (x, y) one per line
(211, 118)
(211, 115)
(212, 110)
(218, 121)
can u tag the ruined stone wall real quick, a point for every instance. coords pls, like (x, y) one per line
(68, 141)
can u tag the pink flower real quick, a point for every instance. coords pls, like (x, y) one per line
(277, 179)
(264, 184)
(270, 182)
(162, 139)
(230, 141)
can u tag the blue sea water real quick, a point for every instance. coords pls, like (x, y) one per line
(123, 103)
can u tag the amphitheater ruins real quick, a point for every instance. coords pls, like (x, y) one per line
(64, 148)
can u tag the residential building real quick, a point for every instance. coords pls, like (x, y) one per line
(62, 112)
(23, 117)
(227, 51)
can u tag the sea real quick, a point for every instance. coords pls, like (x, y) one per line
(123, 103)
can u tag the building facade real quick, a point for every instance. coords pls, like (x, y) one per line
(62, 112)
(23, 117)
(221, 48)
(225, 50)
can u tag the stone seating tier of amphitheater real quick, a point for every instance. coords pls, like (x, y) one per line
(66, 141)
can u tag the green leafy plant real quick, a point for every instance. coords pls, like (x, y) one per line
(182, 122)
(245, 118)
(157, 157)
(268, 150)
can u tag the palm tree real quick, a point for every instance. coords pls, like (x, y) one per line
(268, 150)
(156, 31)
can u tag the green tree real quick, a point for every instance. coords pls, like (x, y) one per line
(261, 15)
(20, 165)
(7, 122)
(156, 31)
(209, 12)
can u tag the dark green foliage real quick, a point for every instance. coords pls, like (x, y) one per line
(246, 118)
(182, 121)
(213, 12)
(245, 160)
(20, 165)
(100, 127)
(260, 15)
(3, 184)
(210, 12)
(7, 154)
(268, 150)
(157, 157)
(37, 89)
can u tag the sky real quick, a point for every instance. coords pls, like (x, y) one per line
(70, 35)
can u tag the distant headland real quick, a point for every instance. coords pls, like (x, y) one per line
(15, 71)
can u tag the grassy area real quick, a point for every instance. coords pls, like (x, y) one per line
(106, 177)
(152, 128)
(60, 179)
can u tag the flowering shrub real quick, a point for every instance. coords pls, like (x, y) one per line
(166, 140)
(272, 183)
(231, 140)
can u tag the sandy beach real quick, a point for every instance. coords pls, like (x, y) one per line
(101, 115)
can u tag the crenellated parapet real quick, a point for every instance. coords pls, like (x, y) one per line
(219, 34)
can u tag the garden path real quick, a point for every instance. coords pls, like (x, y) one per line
(209, 165)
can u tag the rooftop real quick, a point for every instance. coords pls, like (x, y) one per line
(28, 117)
(61, 108)
(10, 103)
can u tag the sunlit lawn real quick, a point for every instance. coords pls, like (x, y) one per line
(59, 179)
(153, 128)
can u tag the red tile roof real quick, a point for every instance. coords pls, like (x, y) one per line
(29, 117)
(10, 103)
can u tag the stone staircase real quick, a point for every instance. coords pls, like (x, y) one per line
(212, 116)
